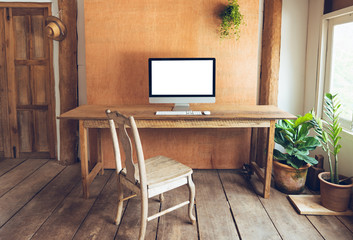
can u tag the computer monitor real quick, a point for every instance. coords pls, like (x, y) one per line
(182, 81)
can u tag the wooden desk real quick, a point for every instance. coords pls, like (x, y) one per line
(222, 116)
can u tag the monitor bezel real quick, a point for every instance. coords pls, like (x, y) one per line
(213, 95)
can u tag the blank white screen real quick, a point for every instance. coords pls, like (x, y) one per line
(182, 77)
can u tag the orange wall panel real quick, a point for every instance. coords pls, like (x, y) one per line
(122, 35)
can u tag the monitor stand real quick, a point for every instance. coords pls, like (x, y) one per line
(181, 107)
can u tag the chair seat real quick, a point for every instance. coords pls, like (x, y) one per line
(161, 169)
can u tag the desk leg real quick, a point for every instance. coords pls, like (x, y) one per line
(268, 169)
(99, 151)
(84, 158)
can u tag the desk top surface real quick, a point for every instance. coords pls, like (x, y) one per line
(218, 111)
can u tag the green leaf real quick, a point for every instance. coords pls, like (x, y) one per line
(290, 123)
(337, 149)
(329, 96)
(306, 158)
(295, 163)
(310, 144)
(289, 138)
(304, 130)
(300, 120)
(280, 156)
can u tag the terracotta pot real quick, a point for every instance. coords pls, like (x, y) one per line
(288, 179)
(335, 197)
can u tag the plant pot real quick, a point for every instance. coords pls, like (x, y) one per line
(288, 179)
(335, 197)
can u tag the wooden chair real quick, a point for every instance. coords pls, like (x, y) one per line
(147, 178)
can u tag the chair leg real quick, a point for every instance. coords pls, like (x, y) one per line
(120, 202)
(144, 213)
(191, 186)
(161, 197)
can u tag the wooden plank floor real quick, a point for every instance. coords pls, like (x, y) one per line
(40, 199)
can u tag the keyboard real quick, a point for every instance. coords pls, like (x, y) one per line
(178, 113)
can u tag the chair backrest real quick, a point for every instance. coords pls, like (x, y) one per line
(122, 122)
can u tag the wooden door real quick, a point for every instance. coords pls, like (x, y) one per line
(27, 113)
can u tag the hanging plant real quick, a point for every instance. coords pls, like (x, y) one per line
(231, 20)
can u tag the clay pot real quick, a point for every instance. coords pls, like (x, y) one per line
(335, 197)
(288, 179)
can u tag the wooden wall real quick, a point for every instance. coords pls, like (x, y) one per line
(122, 35)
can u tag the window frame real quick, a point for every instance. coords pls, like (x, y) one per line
(325, 61)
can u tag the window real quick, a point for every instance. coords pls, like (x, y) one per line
(338, 73)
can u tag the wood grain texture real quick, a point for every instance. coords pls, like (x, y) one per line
(311, 205)
(8, 164)
(270, 59)
(268, 164)
(211, 202)
(251, 217)
(68, 82)
(71, 212)
(11, 86)
(176, 225)
(130, 224)
(328, 225)
(213, 148)
(13, 200)
(99, 223)
(117, 51)
(347, 221)
(25, 223)
(29, 109)
(229, 111)
(3, 96)
(4, 125)
(84, 159)
(12, 178)
(288, 222)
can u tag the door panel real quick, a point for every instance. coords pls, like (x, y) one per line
(37, 37)
(25, 127)
(28, 65)
(41, 126)
(23, 85)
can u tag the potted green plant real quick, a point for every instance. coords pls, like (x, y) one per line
(231, 20)
(290, 168)
(335, 190)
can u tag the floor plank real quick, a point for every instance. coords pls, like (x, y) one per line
(17, 197)
(288, 222)
(347, 221)
(8, 164)
(45, 202)
(71, 212)
(176, 225)
(99, 224)
(214, 216)
(330, 227)
(251, 217)
(19, 173)
(130, 225)
(29, 219)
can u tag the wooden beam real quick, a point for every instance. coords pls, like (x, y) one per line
(4, 113)
(271, 46)
(68, 81)
(270, 58)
